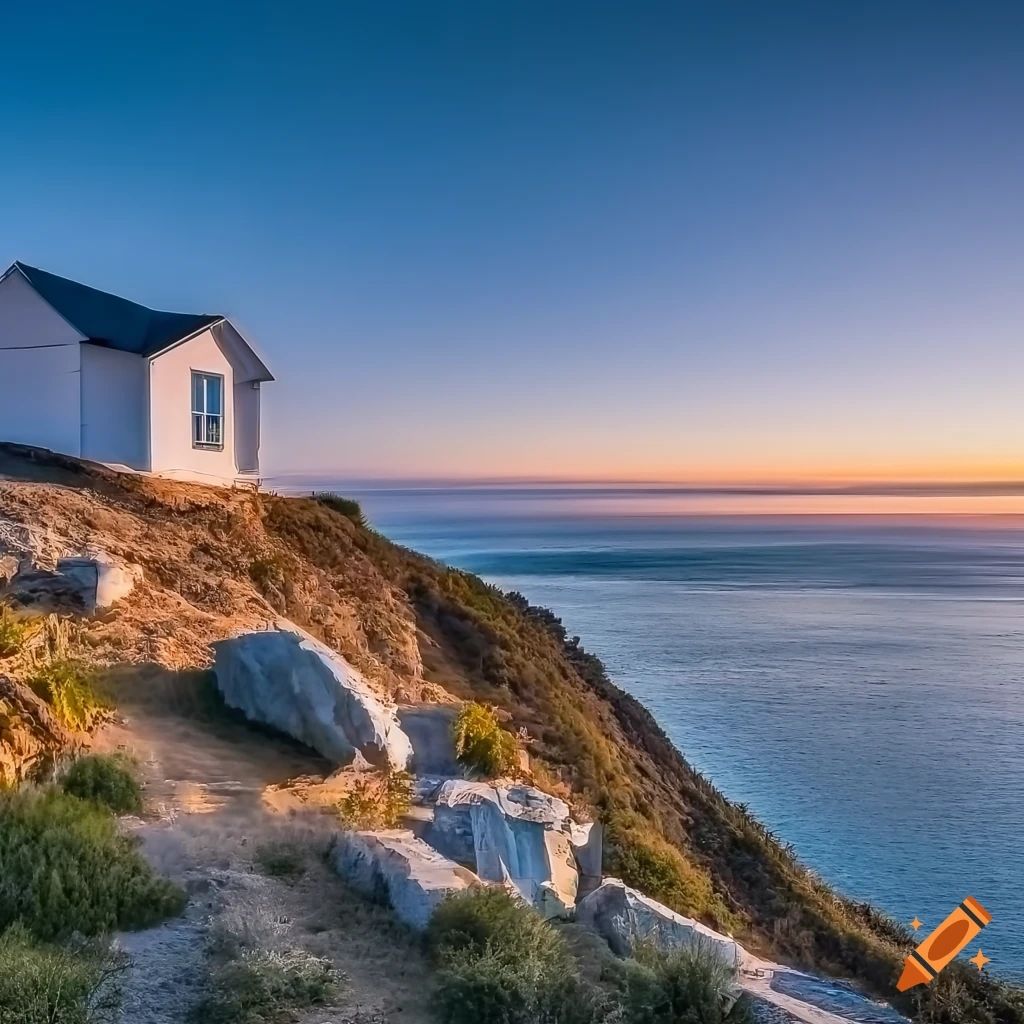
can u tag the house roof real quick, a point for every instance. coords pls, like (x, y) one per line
(114, 322)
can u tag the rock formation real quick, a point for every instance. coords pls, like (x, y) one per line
(30, 735)
(81, 584)
(285, 678)
(624, 917)
(513, 834)
(394, 864)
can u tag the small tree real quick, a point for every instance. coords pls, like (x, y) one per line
(482, 745)
(376, 801)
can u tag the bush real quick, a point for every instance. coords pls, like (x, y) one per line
(259, 986)
(348, 507)
(482, 745)
(65, 868)
(57, 985)
(689, 985)
(281, 859)
(106, 779)
(376, 801)
(500, 961)
(268, 573)
(70, 688)
(473, 919)
(12, 633)
(502, 989)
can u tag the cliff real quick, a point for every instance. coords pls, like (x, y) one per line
(216, 563)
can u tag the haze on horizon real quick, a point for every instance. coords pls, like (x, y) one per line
(698, 242)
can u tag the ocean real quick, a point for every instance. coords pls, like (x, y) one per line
(856, 681)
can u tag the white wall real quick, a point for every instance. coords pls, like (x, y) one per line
(247, 426)
(115, 424)
(170, 387)
(40, 401)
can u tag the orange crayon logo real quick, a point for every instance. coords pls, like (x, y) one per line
(942, 946)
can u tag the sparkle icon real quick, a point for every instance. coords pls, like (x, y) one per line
(979, 960)
(915, 924)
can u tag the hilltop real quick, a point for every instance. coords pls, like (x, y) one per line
(217, 562)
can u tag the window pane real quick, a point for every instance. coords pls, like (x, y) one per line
(213, 390)
(197, 428)
(197, 392)
(213, 430)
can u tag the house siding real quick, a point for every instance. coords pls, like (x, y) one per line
(170, 384)
(40, 363)
(247, 426)
(115, 401)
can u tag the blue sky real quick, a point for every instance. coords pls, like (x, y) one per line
(692, 241)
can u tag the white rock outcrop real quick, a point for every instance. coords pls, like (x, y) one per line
(34, 577)
(623, 917)
(285, 678)
(101, 578)
(394, 864)
(513, 834)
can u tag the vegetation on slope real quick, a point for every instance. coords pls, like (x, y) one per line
(376, 800)
(481, 744)
(106, 779)
(500, 961)
(48, 984)
(71, 690)
(65, 867)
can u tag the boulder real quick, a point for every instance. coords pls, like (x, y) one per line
(285, 678)
(512, 834)
(624, 917)
(80, 583)
(429, 728)
(396, 867)
(103, 580)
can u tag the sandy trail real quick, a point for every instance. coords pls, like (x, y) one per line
(206, 819)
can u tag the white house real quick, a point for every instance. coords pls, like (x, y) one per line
(92, 375)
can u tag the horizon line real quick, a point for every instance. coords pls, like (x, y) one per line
(867, 488)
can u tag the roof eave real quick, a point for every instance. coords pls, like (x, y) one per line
(263, 374)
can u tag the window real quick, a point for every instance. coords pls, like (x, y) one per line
(207, 410)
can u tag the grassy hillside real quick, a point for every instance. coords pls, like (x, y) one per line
(217, 561)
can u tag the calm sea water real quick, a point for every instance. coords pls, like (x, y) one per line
(858, 682)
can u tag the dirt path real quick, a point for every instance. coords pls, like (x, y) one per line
(207, 821)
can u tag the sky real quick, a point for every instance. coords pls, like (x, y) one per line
(730, 242)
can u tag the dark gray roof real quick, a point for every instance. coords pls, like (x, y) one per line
(114, 322)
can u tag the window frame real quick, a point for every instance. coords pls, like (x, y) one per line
(207, 446)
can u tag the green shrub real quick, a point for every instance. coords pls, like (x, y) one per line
(12, 633)
(470, 920)
(268, 572)
(281, 859)
(482, 745)
(106, 779)
(348, 507)
(495, 987)
(377, 800)
(688, 985)
(57, 985)
(260, 986)
(500, 961)
(71, 690)
(65, 867)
